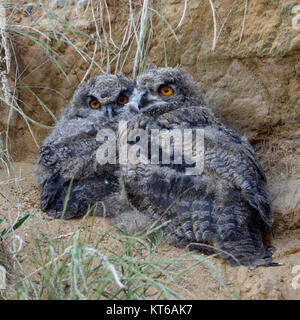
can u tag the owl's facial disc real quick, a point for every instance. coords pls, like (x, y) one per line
(142, 101)
(110, 108)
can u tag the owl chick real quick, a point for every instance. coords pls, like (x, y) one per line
(225, 207)
(67, 167)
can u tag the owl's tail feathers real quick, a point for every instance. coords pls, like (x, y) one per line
(68, 199)
(51, 188)
(241, 237)
(237, 257)
(259, 201)
(63, 199)
(54, 196)
(241, 231)
(76, 198)
(235, 231)
(245, 253)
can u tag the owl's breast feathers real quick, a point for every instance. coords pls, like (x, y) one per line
(226, 204)
(54, 154)
(227, 154)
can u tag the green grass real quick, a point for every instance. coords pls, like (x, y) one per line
(76, 267)
(127, 268)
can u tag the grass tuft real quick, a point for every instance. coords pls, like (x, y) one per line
(74, 266)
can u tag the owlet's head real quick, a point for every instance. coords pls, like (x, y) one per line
(164, 89)
(101, 96)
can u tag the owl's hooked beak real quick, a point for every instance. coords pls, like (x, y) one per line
(143, 99)
(109, 111)
(139, 101)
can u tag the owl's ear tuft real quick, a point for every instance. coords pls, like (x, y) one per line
(179, 68)
(91, 82)
(150, 66)
(121, 77)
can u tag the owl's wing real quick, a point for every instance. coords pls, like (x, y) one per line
(58, 149)
(228, 155)
(71, 158)
(219, 206)
(204, 213)
(52, 188)
(72, 199)
(71, 148)
(91, 182)
(69, 153)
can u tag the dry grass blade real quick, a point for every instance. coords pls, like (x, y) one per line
(183, 14)
(213, 10)
(244, 20)
(70, 266)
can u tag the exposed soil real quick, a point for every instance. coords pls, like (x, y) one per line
(198, 283)
(252, 84)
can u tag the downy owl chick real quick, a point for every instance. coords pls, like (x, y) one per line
(68, 154)
(225, 207)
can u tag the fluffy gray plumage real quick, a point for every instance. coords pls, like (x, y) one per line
(69, 152)
(225, 207)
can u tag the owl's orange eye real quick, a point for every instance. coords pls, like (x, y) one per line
(95, 104)
(166, 90)
(122, 100)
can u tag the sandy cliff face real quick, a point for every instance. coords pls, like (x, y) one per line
(252, 82)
